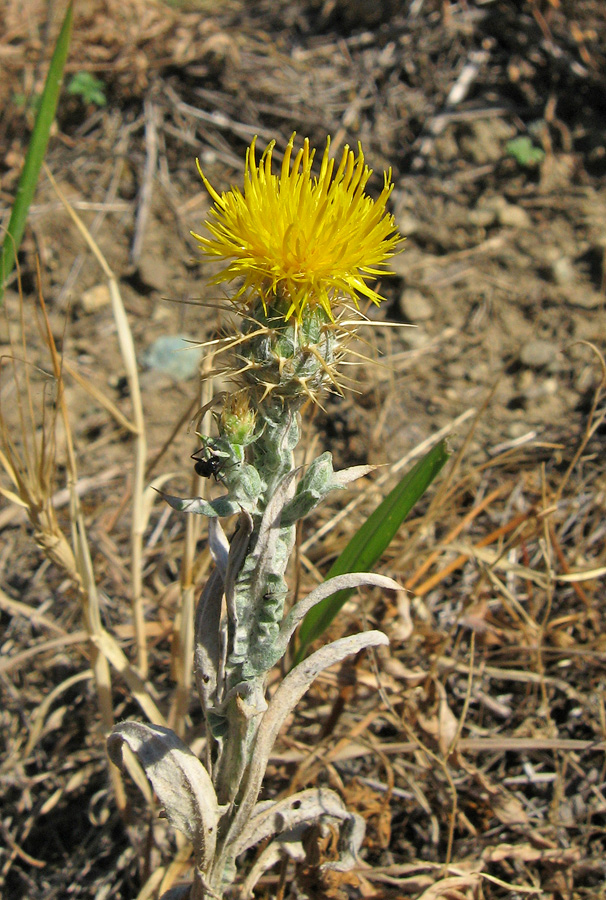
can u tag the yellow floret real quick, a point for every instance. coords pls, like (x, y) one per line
(301, 239)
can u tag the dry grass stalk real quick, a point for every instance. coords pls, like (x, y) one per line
(129, 358)
(32, 474)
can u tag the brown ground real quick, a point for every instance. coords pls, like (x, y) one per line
(504, 276)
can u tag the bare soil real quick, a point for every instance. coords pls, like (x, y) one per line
(475, 748)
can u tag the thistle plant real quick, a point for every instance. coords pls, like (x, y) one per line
(304, 248)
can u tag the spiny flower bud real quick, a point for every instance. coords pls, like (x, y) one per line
(237, 420)
(288, 358)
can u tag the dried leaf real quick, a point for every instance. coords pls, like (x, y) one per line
(290, 846)
(270, 819)
(237, 554)
(508, 809)
(331, 586)
(270, 528)
(289, 820)
(345, 476)
(402, 629)
(452, 888)
(208, 649)
(115, 655)
(288, 694)
(210, 645)
(528, 853)
(448, 724)
(218, 545)
(179, 779)
(219, 507)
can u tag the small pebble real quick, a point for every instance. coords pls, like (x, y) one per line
(538, 353)
(525, 381)
(407, 224)
(540, 388)
(517, 429)
(153, 271)
(562, 270)
(95, 298)
(513, 217)
(415, 306)
(482, 217)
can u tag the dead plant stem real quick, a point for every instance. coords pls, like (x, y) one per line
(184, 643)
(127, 350)
(85, 580)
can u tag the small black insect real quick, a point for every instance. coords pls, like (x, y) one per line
(207, 466)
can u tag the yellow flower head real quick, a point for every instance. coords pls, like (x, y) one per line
(304, 240)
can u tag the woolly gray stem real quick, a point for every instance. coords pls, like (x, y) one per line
(259, 596)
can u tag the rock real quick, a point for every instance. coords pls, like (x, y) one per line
(538, 353)
(415, 306)
(562, 271)
(540, 388)
(505, 213)
(525, 381)
(173, 355)
(95, 298)
(482, 217)
(153, 271)
(513, 217)
(407, 224)
(518, 429)
(494, 203)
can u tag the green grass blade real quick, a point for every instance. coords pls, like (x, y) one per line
(36, 151)
(370, 541)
